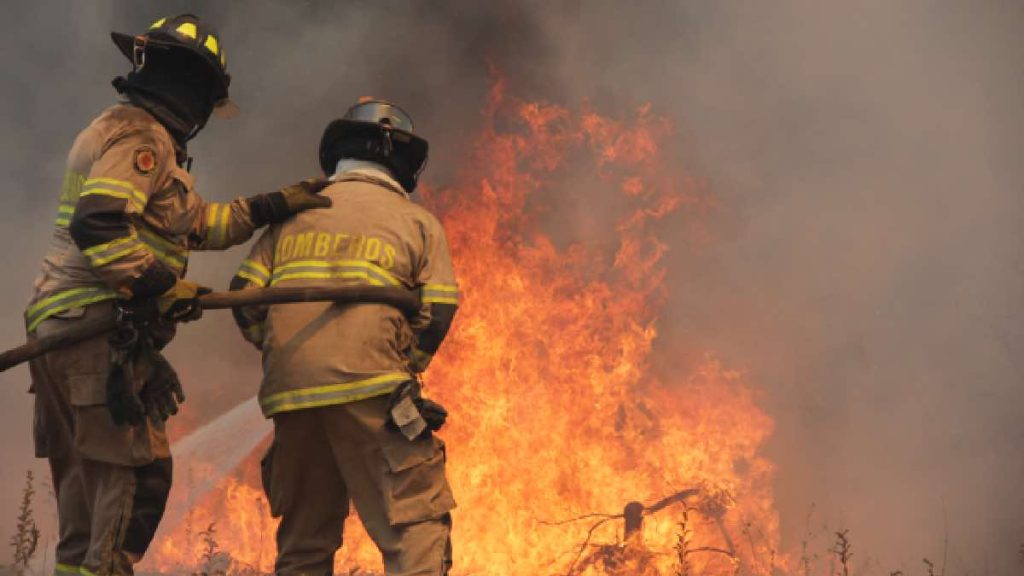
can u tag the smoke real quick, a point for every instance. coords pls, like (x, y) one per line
(863, 265)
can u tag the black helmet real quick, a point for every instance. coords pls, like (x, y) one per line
(378, 131)
(184, 32)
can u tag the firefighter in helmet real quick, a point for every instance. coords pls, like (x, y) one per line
(128, 216)
(341, 382)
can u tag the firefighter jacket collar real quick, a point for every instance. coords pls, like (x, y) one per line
(374, 170)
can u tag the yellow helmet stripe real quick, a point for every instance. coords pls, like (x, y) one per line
(158, 23)
(187, 29)
(211, 44)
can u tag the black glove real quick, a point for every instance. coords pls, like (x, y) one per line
(162, 392)
(433, 413)
(123, 403)
(278, 206)
(411, 413)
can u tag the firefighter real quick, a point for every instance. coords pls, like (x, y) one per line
(341, 382)
(128, 216)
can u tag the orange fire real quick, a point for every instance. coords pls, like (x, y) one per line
(557, 419)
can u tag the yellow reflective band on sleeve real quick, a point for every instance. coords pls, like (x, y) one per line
(256, 267)
(255, 280)
(211, 222)
(74, 298)
(105, 253)
(120, 189)
(64, 214)
(70, 189)
(440, 294)
(66, 570)
(336, 269)
(332, 394)
(171, 254)
(254, 333)
(217, 224)
(254, 272)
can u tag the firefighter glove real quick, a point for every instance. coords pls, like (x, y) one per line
(122, 401)
(181, 302)
(162, 393)
(278, 206)
(433, 413)
(412, 414)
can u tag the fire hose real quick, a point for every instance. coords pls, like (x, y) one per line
(407, 301)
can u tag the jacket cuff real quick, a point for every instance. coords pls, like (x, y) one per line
(268, 209)
(154, 281)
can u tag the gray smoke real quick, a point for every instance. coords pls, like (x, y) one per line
(865, 267)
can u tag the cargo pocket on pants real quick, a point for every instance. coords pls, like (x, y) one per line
(96, 435)
(416, 487)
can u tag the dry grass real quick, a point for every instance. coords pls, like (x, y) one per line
(25, 541)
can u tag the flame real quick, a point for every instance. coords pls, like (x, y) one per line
(558, 419)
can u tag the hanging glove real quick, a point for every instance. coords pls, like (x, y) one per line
(412, 414)
(122, 400)
(162, 393)
(180, 303)
(433, 413)
(278, 206)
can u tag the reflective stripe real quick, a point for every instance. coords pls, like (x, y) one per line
(107, 252)
(255, 280)
(255, 332)
(217, 224)
(254, 272)
(74, 298)
(440, 294)
(86, 572)
(69, 191)
(66, 569)
(64, 214)
(121, 189)
(320, 269)
(166, 251)
(333, 394)
(211, 223)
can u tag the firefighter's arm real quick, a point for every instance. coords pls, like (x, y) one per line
(221, 225)
(255, 272)
(439, 295)
(116, 189)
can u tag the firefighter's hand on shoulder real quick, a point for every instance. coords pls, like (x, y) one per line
(304, 195)
(180, 303)
(278, 206)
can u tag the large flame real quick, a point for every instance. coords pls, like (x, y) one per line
(558, 421)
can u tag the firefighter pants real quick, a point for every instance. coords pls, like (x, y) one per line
(111, 481)
(323, 457)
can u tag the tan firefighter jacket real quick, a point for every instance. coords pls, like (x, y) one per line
(130, 207)
(320, 354)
